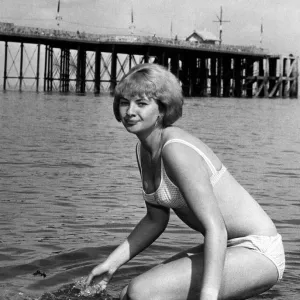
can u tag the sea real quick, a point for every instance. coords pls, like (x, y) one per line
(70, 190)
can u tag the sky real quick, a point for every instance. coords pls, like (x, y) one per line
(280, 19)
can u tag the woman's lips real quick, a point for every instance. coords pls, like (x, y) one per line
(130, 122)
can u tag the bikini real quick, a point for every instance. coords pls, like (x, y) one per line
(169, 195)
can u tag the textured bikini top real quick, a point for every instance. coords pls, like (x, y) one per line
(168, 194)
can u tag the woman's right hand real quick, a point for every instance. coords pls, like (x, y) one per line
(100, 276)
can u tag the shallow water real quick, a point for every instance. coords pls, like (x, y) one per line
(70, 188)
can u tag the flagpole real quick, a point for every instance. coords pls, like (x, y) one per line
(58, 17)
(132, 26)
(261, 32)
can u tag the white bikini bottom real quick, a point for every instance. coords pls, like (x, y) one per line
(270, 246)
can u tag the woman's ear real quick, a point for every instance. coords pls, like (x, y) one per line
(161, 114)
(159, 120)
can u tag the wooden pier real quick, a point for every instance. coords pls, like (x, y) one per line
(63, 61)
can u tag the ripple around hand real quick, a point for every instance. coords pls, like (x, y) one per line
(77, 291)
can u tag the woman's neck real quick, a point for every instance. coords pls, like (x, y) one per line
(152, 142)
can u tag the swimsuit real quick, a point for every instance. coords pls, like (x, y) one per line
(168, 194)
(270, 246)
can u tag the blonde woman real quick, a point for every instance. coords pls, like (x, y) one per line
(242, 254)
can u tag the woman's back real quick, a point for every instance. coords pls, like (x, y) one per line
(241, 213)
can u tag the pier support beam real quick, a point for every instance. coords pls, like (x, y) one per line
(280, 79)
(203, 77)
(45, 67)
(266, 77)
(164, 59)
(237, 92)
(81, 70)
(64, 79)
(48, 69)
(192, 62)
(21, 66)
(147, 55)
(98, 70)
(184, 75)
(213, 77)
(219, 76)
(293, 78)
(285, 83)
(48, 72)
(226, 76)
(272, 76)
(5, 66)
(249, 77)
(113, 73)
(130, 60)
(260, 79)
(37, 78)
(174, 65)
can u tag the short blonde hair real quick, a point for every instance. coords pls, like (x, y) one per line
(156, 82)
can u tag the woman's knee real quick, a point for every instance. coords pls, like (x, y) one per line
(137, 290)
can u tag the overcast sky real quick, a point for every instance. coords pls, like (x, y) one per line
(281, 18)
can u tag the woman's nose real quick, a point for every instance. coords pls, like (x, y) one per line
(131, 110)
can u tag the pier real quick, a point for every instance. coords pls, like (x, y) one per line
(63, 61)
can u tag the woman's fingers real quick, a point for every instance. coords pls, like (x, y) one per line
(103, 279)
(90, 288)
(102, 285)
(89, 279)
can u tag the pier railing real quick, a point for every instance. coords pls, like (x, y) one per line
(10, 29)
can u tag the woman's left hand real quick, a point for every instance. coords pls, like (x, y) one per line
(102, 274)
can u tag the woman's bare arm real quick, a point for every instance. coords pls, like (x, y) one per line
(143, 235)
(189, 172)
(147, 230)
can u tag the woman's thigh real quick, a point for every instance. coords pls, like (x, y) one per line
(246, 273)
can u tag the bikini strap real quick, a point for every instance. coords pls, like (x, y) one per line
(138, 156)
(207, 160)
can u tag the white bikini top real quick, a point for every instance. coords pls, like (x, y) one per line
(168, 194)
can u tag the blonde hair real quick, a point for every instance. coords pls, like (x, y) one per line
(156, 82)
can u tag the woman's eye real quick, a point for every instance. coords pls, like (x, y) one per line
(123, 103)
(142, 104)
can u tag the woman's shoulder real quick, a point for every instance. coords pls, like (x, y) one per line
(178, 139)
(184, 139)
(175, 133)
(172, 132)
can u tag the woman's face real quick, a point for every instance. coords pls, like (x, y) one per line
(139, 114)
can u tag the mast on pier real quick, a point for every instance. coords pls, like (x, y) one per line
(261, 33)
(131, 26)
(221, 21)
(58, 17)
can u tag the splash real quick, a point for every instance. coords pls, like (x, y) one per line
(74, 291)
(92, 290)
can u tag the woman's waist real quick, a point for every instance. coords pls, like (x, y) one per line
(241, 227)
(237, 225)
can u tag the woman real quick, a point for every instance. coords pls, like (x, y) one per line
(242, 254)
